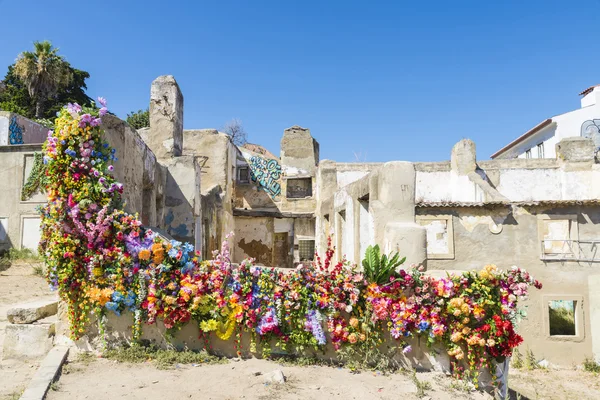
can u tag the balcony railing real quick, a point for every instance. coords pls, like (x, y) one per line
(570, 250)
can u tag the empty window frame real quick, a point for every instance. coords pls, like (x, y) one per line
(528, 154)
(299, 188)
(540, 150)
(440, 235)
(558, 236)
(563, 317)
(243, 175)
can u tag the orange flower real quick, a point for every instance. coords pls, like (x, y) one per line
(144, 254)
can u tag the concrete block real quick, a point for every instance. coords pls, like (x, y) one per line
(30, 312)
(577, 151)
(463, 159)
(25, 342)
(46, 374)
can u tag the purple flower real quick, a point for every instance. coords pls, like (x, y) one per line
(103, 111)
(95, 122)
(102, 101)
(407, 349)
(110, 167)
(73, 109)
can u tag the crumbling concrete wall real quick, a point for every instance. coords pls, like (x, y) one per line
(254, 238)
(181, 210)
(136, 167)
(216, 157)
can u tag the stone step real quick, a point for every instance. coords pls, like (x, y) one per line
(27, 313)
(28, 341)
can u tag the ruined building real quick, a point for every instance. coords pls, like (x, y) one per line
(195, 185)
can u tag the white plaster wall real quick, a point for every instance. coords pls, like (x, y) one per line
(440, 186)
(30, 238)
(591, 98)
(549, 184)
(348, 242)
(367, 228)
(4, 131)
(347, 177)
(3, 229)
(530, 184)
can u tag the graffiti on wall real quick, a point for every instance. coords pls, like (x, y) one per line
(16, 131)
(591, 129)
(266, 173)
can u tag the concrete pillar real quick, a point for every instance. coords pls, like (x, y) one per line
(326, 187)
(166, 117)
(394, 212)
(463, 159)
(299, 151)
(594, 298)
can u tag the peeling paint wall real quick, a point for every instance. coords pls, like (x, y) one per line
(254, 238)
(505, 238)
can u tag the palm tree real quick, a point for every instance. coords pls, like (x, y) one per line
(44, 73)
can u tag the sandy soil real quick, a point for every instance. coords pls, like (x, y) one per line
(562, 384)
(106, 379)
(18, 284)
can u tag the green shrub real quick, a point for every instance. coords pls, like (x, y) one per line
(590, 365)
(163, 359)
(139, 119)
(379, 268)
(562, 321)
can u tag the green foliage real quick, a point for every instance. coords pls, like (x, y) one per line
(562, 321)
(36, 177)
(38, 270)
(530, 362)
(517, 359)
(380, 268)
(48, 123)
(16, 97)
(422, 386)
(590, 365)
(163, 359)
(139, 119)
(43, 72)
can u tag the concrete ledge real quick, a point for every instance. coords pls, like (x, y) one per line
(45, 375)
(30, 312)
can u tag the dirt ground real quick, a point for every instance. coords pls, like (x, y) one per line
(18, 284)
(106, 379)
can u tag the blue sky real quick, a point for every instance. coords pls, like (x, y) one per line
(375, 80)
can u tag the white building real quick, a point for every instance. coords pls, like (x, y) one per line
(540, 141)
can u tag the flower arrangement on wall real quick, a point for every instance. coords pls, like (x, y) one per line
(102, 260)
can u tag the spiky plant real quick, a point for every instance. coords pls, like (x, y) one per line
(379, 268)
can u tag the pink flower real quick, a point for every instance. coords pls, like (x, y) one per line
(102, 101)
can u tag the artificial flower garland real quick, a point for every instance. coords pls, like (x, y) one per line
(102, 260)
